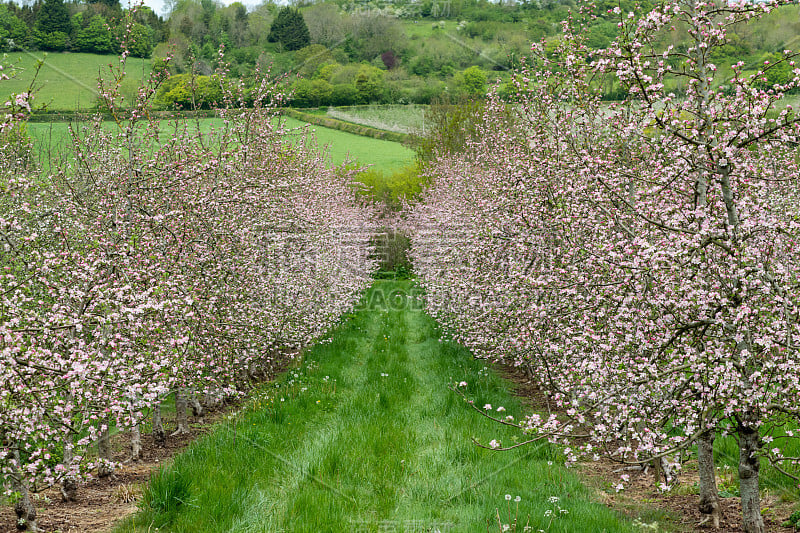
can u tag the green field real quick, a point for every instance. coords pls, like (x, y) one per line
(342, 146)
(68, 81)
(424, 29)
(365, 436)
(51, 143)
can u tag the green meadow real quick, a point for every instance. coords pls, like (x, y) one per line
(68, 81)
(51, 142)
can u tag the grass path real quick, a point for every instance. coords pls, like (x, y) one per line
(366, 436)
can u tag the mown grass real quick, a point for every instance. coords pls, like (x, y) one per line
(52, 142)
(68, 81)
(343, 147)
(365, 436)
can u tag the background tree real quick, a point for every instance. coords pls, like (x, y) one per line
(372, 35)
(13, 31)
(259, 22)
(327, 25)
(370, 84)
(96, 37)
(471, 82)
(289, 29)
(139, 41)
(53, 16)
(52, 26)
(310, 59)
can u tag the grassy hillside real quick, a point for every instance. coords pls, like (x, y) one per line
(51, 141)
(68, 81)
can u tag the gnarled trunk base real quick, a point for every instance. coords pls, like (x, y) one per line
(709, 495)
(181, 413)
(136, 443)
(69, 485)
(23, 508)
(748, 479)
(106, 466)
(159, 435)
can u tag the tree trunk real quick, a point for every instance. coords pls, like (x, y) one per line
(657, 473)
(709, 495)
(181, 415)
(748, 479)
(23, 508)
(69, 485)
(197, 408)
(670, 472)
(159, 435)
(105, 468)
(136, 443)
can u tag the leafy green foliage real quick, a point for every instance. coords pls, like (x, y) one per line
(311, 93)
(185, 91)
(344, 94)
(312, 58)
(793, 521)
(450, 124)
(414, 41)
(140, 41)
(95, 37)
(472, 82)
(54, 41)
(370, 84)
(53, 17)
(13, 31)
(392, 189)
(778, 71)
(392, 255)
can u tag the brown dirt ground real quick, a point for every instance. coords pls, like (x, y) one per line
(102, 502)
(677, 509)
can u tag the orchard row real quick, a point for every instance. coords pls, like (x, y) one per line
(641, 258)
(157, 261)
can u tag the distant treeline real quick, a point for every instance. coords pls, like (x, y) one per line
(348, 52)
(99, 27)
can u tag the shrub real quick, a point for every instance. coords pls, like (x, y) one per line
(311, 93)
(393, 190)
(344, 94)
(472, 82)
(187, 92)
(370, 84)
(450, 126)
